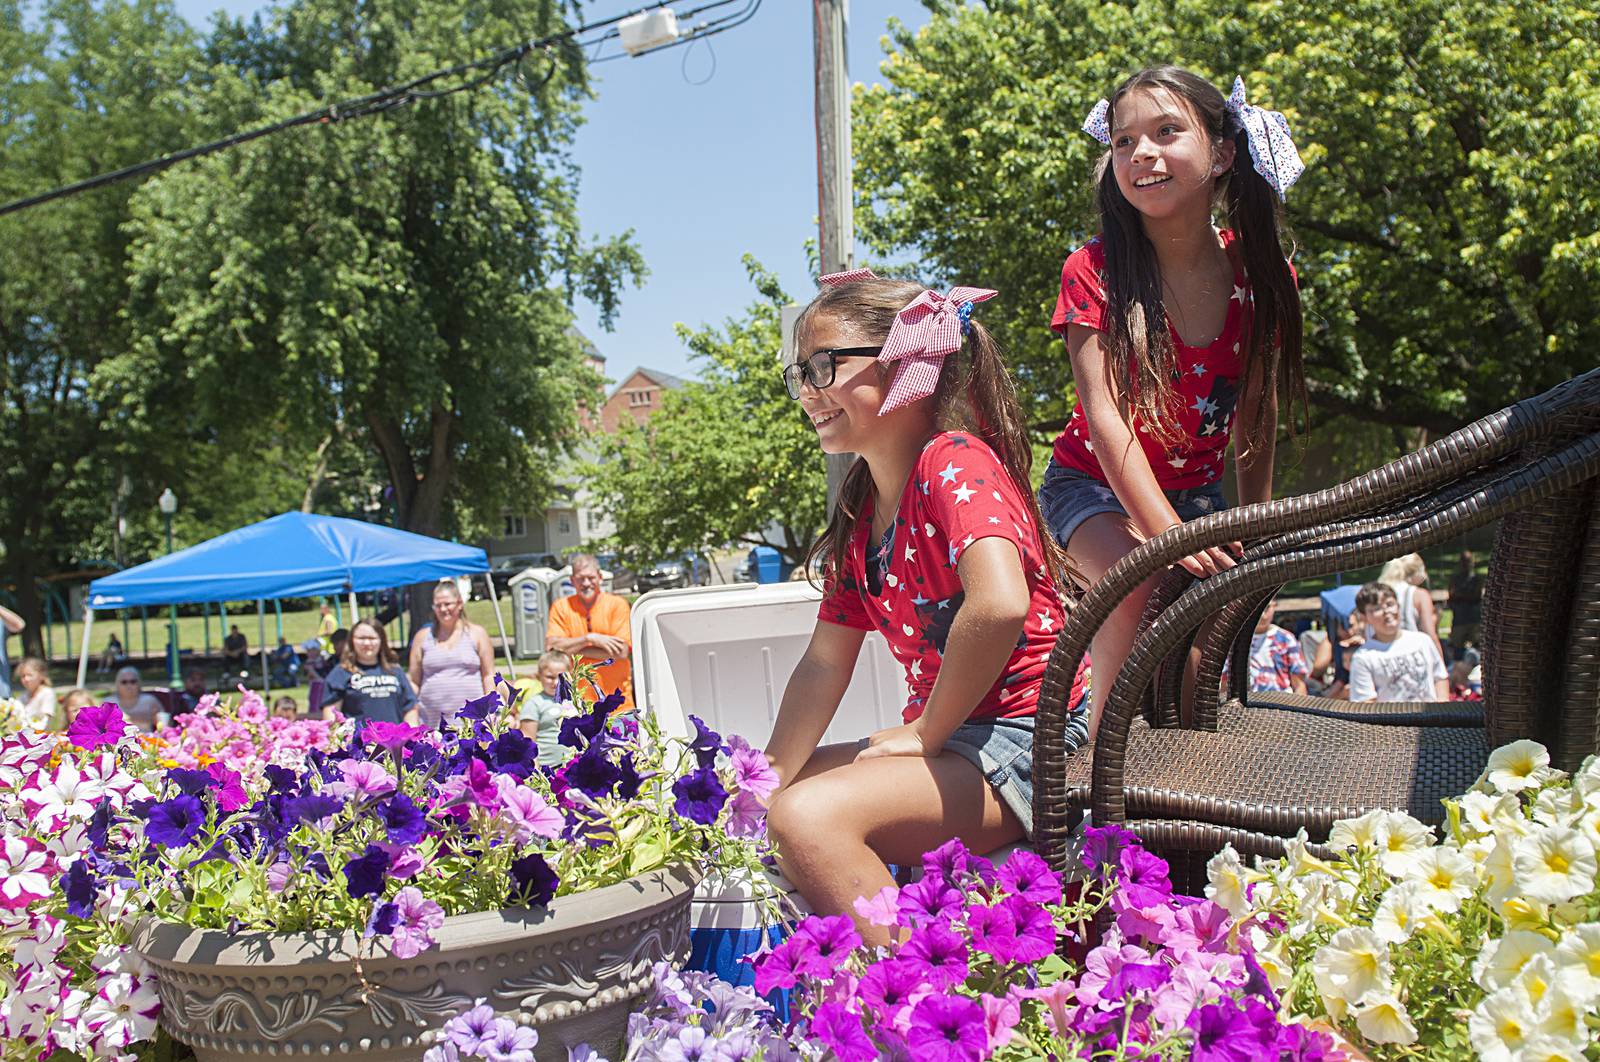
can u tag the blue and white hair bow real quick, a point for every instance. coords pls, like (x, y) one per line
(1267, 132)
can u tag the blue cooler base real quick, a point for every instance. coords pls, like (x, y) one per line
(719, 951)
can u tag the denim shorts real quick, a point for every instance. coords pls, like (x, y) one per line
(1068, 497)
(1002, 749)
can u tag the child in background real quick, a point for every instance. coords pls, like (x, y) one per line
(935, 542)
(286, 707)
(1172, 325)
(369, 685)
(40, 711)
(72, 701)
(1394, 664)
(1276, 663)
(542, 713)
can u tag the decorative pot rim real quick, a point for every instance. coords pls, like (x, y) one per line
(172, 943)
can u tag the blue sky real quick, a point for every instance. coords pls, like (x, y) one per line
(702, 172)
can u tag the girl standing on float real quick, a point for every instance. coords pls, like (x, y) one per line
(1174, 326)
(935, 542)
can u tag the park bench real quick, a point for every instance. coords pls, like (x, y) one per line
(1252, 769)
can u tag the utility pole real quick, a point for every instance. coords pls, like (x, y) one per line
(837, 241)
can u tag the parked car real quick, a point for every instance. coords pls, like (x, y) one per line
(622, 579)
(667, 575)
(506, 568)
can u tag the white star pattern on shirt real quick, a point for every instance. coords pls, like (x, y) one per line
(1178, 462)
(997, 497)
(1087, 445)
(963, 493)
(966, 542)
(916, 668)
(1203, 406)
(1047, 622)
(1210, 428)
(1199, 369)
(948, 473)
(919, 601)
(994, 519)
(911, 553)
(1238, 293)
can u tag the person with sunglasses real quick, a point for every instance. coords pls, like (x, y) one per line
(142, 709)
(934, 541)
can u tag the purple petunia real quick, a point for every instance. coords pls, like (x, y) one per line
(533, 883)
(937, 953)
(841, 1031)
(481, 707)
(467, 1032)
(97, 726)
(1229, 1031)
(313, 807)
(81, 889)
(889, 985)
(826, 943)
(1024, 874)
(1013, 930)
(699, 796)
(514, 754)
(948, 861)
(928, 899)
(174, 823)
(416, 919)
(194, 783)
(592, 773)
(365, 873)
(1143, 879)
(780, 967)
(706, 744)
(947, 1028)
(1103, 845)
(403, 819)
(580, 731)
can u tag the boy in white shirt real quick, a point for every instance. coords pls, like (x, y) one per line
(542, 713)
(1394, 664)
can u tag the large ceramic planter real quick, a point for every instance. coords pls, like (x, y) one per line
(573, 971)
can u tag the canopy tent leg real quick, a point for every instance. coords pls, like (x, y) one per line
(83, 652)
(354, 613)
(505, 643)
(261, 628)
(205, 613)
(338, 611)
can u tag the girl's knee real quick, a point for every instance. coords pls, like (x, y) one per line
(804, 813)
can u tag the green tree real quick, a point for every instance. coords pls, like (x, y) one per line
(88, 88)
(1448, 223)
(725, 458)
(408, 275)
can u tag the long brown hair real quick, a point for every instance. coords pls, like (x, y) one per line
(1138, 344)
(975, 394)
(347, 655)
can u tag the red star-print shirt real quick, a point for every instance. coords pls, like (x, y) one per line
(959, 492)
(1207, 388)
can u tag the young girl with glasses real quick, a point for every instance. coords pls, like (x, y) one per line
(935, 541)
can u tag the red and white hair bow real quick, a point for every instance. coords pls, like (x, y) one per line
(925, 331)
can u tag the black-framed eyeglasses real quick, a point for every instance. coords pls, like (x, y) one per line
(820, 367)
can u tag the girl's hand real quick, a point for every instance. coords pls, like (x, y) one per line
(1208, 561)
(904, 740)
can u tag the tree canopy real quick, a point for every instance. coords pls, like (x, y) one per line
(1447, 228)
(727, 458)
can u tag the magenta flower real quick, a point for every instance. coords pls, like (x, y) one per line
(780, 967)
(1201, 926)
(390, 736)
(947, 862)
(1297, 1043)
(97, 726)
(1013, 930)
(890, 984)
(937, 953)
(231, 795)
(366, 778)
(1103, 845)
(1024, 874)
(1000, 1017)
(252, 709)
(928, 899)
(947, 1028)
(826, 943)
(752, 773)
(841, 1030)
(1226, 1031)
(1100, 966)
(1143, 879)
(417, 918)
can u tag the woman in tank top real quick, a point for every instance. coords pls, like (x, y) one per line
(451, 661)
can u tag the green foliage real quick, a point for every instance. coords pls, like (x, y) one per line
(408, 275)
(726, 457)
(1447, 226)
(88, 88)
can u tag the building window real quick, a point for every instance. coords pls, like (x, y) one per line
(564, 524)
(516, 525)
(596, 520)
(638, 398)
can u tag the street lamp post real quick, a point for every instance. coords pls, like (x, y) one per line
(168, 503)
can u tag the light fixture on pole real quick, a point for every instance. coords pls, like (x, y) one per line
(168, 504)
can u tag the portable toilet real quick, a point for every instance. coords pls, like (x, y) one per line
(533, 591)
(766, 565)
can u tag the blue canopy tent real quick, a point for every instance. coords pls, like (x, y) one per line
(292, 555)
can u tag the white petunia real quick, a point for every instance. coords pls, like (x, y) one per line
(1271, 954)
(1498, 964)
(1298, 862)
(1558, 806)
(1546, 1049)
(1502, 1024)
(1553, 864)
(1518, 766)
(1399, 913)
(1359, 832)
(1400, 838)
(1382, 1019)
(1577, 959)
(1225, 882)
(1561, 1017)
(1353, 964)
(1536, 978)
(1447, 877)
(1587, 778)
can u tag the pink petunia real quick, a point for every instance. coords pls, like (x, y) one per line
(418, 918)
(880, 910)
(752, 773)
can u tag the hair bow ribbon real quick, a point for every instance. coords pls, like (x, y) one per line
(1272, 151)
(927, 329)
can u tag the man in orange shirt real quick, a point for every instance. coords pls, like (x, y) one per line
(596, 626)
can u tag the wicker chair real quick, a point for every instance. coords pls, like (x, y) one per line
(1253, 770)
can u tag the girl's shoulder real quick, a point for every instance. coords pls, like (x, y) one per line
(1088, 258)
(951, 456)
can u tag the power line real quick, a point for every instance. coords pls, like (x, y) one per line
(387, 98)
